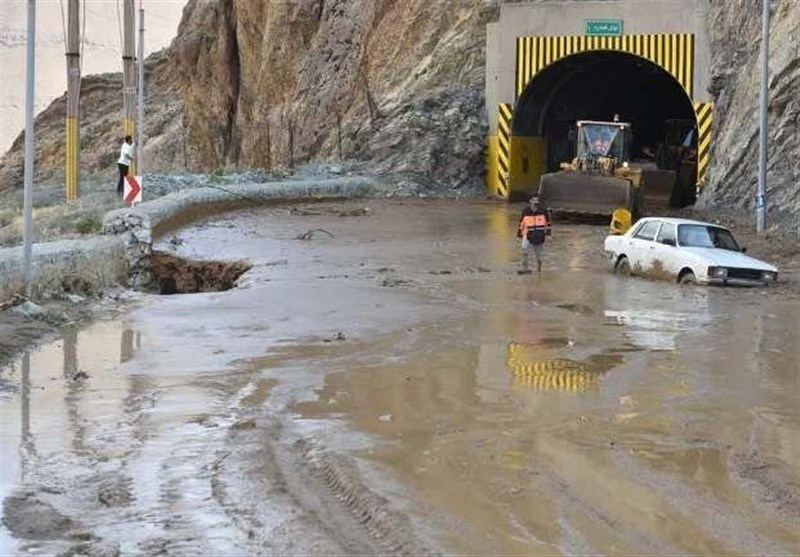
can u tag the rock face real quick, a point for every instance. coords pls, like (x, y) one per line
(395, 84)
(735, 29)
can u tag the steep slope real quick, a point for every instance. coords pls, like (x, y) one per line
(735, 29)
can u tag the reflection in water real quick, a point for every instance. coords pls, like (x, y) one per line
(74, 392)
(557, 373)
(656, 329)
(27, 449)
(130, 343)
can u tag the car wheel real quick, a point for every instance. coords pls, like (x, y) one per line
(688, 278)
(623, 267)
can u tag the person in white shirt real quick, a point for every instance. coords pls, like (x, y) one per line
(126, 156)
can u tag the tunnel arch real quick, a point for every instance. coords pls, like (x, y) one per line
(596, 85)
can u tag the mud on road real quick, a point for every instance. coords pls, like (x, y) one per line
(391, 385)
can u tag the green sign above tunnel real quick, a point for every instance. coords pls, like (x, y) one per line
(604, 27)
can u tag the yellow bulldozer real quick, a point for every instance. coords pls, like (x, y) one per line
(599, 180)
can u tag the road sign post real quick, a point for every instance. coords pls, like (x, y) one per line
(132, 193)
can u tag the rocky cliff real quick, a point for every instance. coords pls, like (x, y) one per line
(397, 84)
(735, 30)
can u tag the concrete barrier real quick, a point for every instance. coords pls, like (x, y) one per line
(85, 266)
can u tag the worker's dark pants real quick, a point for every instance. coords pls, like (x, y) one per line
(123, 171)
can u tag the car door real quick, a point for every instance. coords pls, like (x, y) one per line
(665, 255)
(642, 243)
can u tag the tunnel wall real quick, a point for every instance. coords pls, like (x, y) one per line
(528, 163)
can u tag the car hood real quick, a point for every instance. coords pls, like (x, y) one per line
(725, 258)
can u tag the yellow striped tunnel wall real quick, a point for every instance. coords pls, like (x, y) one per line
(130, 129)
(504, 115)
(72, 159)
(704, 112)
(672, 51)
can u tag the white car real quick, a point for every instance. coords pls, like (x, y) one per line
(685, 251)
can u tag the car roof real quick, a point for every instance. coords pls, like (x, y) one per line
(675, 220)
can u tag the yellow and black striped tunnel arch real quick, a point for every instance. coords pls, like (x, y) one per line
(672, 51)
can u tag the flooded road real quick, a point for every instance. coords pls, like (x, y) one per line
(390, 385)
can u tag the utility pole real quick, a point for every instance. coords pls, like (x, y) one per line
(761, 197)
(73, 101)
(128, 72)
(30, 71)
(140, 95)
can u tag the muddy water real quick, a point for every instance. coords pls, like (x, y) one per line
(390, 384)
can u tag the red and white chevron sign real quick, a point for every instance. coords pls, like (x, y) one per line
(133, 190)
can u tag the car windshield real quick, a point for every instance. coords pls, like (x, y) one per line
(702, 236)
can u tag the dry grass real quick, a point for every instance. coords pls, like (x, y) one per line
(53, 217)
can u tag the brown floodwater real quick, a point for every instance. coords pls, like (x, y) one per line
(388, 383)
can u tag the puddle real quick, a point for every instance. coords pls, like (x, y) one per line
(175, 275)
(49, 403)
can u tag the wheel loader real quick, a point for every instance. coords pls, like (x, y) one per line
(599, 179)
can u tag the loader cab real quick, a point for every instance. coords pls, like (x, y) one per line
(603, 139)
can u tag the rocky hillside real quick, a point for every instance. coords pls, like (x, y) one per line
(735, 28)
(397, 84)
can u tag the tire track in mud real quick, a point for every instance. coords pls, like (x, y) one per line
(327, 499)
(343, 481)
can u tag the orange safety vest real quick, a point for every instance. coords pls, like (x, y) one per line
(532, 222)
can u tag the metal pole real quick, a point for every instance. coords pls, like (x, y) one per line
(73, 90)
(128, 71)
(140, 95)
(761, 197)
(30, 71)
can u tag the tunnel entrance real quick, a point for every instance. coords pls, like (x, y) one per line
(596, 85)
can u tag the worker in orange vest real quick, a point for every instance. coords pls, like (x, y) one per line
(534, 227)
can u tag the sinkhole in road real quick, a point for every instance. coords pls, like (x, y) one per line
(176, 275)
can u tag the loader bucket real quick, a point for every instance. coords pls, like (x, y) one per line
(574, 192)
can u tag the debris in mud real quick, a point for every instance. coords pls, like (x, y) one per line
(443, 272)
(385, 418)
(392, 282)
(29, 309)
(175, 275)
(339, 336)
(78, 377)
(115, 491)
(15, 300)
(244, 424)
(317, 211)
(309, 234)
(27, 516)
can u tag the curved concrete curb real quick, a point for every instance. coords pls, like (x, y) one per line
(123, 254)
(86, 264)
(139, 225)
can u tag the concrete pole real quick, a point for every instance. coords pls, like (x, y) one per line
(73, 92)
(140, 95)
(30, 71)
(128, 72)
(761, 197)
